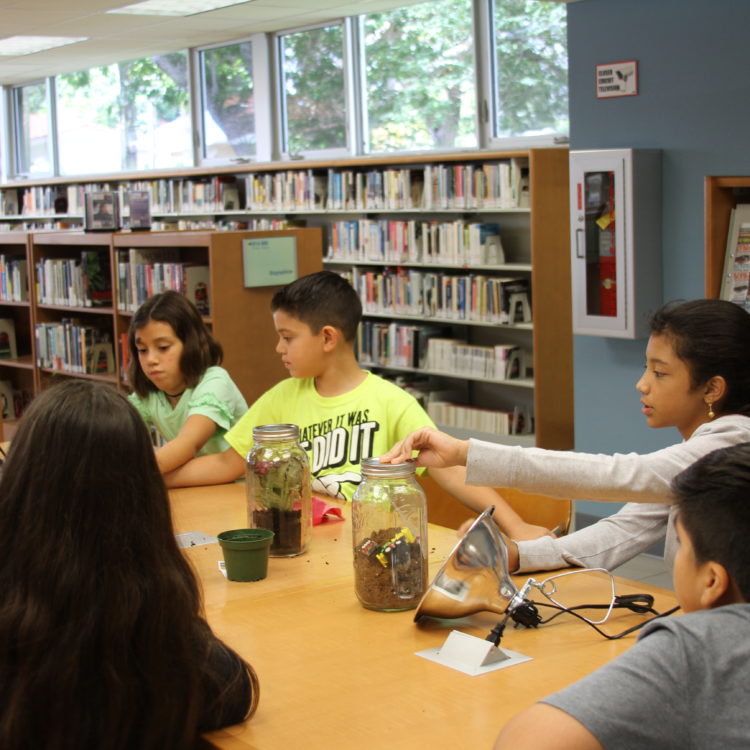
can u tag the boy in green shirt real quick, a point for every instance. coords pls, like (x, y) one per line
(344, 413)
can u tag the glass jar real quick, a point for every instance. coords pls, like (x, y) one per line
(278, 488)
(389, 527)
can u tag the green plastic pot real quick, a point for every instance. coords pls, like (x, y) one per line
(246, 553)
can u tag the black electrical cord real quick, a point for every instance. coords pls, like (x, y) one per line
(624, 603)
(639, 603)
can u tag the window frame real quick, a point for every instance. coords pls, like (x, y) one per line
(16, 129)
(484, 30)
(363, 110)
(261, 101)
(280, 95)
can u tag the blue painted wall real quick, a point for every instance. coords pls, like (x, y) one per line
(694, 104)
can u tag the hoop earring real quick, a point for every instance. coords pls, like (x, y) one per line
(711, 414)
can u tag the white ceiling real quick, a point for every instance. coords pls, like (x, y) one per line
(113, 38)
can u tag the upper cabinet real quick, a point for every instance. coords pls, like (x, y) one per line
(615, 202)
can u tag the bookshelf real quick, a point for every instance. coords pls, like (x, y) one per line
(721, 195)
(17, 374)
(396, 192)
(535, 246)
(239, 317)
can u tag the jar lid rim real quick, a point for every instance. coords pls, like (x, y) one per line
(276, 431)
(373, 467)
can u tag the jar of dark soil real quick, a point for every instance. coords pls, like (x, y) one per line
(389, 524)
(278, 488)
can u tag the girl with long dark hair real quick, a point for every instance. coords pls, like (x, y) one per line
(102, 640)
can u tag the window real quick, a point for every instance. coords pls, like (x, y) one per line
(33, 142)
(129, 116)
(227, 102)
(531, 68)
(419, 69)
(313, 89)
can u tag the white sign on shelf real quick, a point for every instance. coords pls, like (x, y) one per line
(616, 79)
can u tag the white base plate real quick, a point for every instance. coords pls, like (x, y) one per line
(471, 655)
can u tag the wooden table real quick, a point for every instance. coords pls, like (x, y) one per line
(336, 676)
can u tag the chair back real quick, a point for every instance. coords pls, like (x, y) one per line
(551, 512)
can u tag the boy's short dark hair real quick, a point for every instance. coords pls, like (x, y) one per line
(713, 500)
(321, 299)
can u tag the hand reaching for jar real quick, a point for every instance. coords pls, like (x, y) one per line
(435, 449)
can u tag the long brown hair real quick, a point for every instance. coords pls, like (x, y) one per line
(102, 644)
(200, 350)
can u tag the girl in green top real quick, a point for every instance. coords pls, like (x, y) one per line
(178, 387)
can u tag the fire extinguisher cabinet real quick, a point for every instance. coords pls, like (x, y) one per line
(615, 201)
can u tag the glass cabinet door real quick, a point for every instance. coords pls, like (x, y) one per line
(599, 225)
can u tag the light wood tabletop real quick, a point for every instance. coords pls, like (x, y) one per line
(336, 675)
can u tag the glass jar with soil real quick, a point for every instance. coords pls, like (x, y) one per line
(389, 528)
(278, 488)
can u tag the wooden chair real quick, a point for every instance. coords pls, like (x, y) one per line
(551, 512)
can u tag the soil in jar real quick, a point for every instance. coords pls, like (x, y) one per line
(287, 530)
(397, 585)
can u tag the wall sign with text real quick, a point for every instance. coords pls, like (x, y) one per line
(269, 261)
(617, 79)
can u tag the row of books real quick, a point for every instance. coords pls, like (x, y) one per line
(375, 189)
(284, 191)
(497, 185)
(221, 225)
(502, 185)
(35, 200)
(467, 297)
(36, 225)
(201, 195)
(439, 242)
(448, 414)
(143, 273)
(14, 279)
(395, 345)
(428, 348)
(72, 347)
(498, 362)
(75, 282)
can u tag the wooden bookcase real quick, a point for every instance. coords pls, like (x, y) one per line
(239, 317)
(722, 194)
(535, 238)
(19, 372)
(534, 233)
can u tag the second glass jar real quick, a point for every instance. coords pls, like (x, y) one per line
(389, 527)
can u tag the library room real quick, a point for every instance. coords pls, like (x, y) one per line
(373, 361)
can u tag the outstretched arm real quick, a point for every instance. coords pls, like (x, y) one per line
(435, 449)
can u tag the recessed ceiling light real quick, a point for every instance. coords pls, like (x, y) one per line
(28, 45)
(175, 7)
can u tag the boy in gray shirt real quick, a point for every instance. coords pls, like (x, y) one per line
(684, 684)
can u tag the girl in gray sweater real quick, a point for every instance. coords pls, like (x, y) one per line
(697, 379)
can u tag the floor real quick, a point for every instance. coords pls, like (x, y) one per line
(647, 568)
